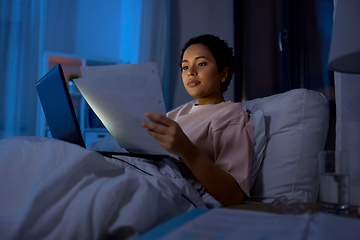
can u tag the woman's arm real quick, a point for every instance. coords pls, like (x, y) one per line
(218, 183)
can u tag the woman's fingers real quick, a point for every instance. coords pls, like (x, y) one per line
(159, 136)
(155, 127)
(159, 118)
(160, 124)
(167, 132)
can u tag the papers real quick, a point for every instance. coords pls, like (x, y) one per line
(120, 95)
(226, 223)
(333, 227)
(242, 224)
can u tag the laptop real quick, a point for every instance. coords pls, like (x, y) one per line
(60, 114)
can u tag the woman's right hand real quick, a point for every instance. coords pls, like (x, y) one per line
(168, 134)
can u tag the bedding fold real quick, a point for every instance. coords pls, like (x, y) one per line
(51, 189)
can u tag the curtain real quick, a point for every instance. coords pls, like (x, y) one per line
(154, 37)
(324, 11)
(19, 51)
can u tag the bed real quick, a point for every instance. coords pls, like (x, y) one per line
(52, 189)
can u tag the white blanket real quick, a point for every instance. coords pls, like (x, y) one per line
(50, 189)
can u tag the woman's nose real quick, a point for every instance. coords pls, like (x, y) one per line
(192, 71)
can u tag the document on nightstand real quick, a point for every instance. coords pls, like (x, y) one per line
(225, 223)
(325, 226)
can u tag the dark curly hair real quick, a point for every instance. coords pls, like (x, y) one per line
(220, 50)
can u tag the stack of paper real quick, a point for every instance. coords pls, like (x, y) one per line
(241, 224)
(236, 224)
(120, 95)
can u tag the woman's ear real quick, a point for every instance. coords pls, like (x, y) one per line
(225, 73)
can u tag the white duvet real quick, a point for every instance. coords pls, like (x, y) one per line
(50, 189)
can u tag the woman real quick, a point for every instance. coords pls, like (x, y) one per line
(213, 137)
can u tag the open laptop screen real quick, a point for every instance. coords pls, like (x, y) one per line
(58, 108)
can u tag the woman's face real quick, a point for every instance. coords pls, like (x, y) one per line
(200, 75)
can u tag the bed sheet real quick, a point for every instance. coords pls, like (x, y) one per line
(50, 189)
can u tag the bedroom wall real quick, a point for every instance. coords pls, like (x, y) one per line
(188, 19)
(56, 37)
(82, 27)
(112, 30)
(98, 28)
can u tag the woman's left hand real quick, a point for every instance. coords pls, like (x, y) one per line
(218, 183)
(168, 133)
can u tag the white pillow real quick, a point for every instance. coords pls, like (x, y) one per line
(296, 129)
(260, 144)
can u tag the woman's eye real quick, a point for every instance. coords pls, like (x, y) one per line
(202, 64)
(184, 68)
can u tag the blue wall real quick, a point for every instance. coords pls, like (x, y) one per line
(90, 28)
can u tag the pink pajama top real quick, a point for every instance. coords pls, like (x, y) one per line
(224, 132)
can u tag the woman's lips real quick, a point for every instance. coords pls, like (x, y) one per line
(193, 83)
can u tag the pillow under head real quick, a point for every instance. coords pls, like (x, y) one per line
(260, 144)
(296, 130)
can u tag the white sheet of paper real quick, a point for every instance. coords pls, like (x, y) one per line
(120, 95)
(225, 223)
(326, 226)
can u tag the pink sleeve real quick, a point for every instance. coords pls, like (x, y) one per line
(234, 149)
